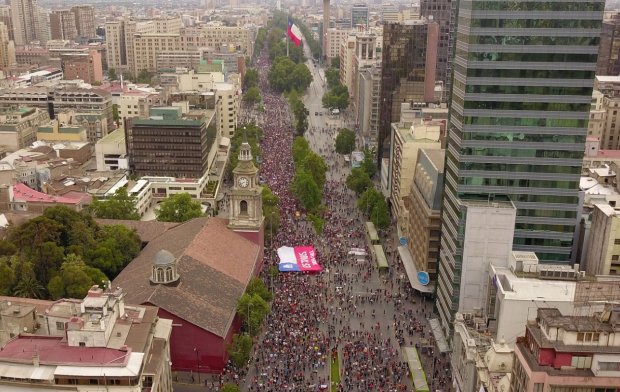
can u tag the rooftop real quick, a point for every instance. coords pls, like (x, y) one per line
(22, 193)
(532, 289)
(116, 136)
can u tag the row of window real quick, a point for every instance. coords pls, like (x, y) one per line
(523, 137)
(525, 40)
(525, 169)
(521, 121)
(537, 106)
(536, 6)
(521, 153)
(533, 57)
(537, 23)
(524, 73)
(523, 183)
(538, 90)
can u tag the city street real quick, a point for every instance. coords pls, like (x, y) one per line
(350, 309)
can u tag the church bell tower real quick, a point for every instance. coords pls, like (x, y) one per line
(246, 203)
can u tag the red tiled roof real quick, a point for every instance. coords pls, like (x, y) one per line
(608, 154)
(55, 351)
(22, 193)
(215, 265)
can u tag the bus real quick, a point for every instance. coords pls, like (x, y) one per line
(380, 258)
(371, 234)
(420, 384)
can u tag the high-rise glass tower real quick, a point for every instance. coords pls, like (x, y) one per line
(520, 101)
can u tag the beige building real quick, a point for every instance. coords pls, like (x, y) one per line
(136, 103)
(62, 25)
(603, 252)
(7, 48)
(26, 18)
(18, 127)
(218, 38)
(336, 38)
(85, 20)
(407, 140)
(57, 131)
(227, 107)
(369, 91)
(97, 343)
(111, 152)
(421, 223)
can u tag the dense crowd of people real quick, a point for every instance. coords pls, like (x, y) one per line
(350, 312)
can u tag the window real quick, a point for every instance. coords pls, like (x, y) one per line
(581, 362)
(243, 207)
(614, 258)
(609, 366)
(60, 326)
(538, 387)
(82, 344)
(617, 241)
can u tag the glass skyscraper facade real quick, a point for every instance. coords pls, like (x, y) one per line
(521, 93)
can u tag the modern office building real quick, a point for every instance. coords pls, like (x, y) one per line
(62, 25)
(26, 20)
(520, 106)
(359, 15)
(442, 12)
(408, 71)
(168, 144)
(85, 20)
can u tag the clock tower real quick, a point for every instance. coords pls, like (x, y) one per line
(246, 203)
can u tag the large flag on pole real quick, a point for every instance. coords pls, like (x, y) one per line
(293, 32)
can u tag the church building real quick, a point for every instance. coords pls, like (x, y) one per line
(197, 271)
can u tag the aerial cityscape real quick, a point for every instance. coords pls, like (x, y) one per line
(339, 196)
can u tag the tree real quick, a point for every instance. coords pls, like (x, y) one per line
(250, 79)
(121, 205)
(335, 62)
(7, 276)
(380, 215)
(306, 190)
(144, 77)
(252, 96)
(345, 141)
(358, 181)
(285, 75)
(252, 310)
(299, 111)
(7, 248)
(368, 164)
(332, 75)
(336, 98)
(29, 287)
(178, 208)
(315, 165)
(116, 246)
(301, 148)
(317, 222)
(115, 116)
(368, 200)
(112, 74)
(301, 77)
(256, 286)
(239, 350)
(230, 387)
(75, 279)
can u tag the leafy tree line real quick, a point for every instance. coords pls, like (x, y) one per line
(309, 180)
(370, 200)
(337, 95)
(300, 112)
(271, 212)
(280, 20)
(285, 75)
(251, 92)
(62, 253)
(252, 308)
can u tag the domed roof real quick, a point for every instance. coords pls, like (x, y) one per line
(163, 257)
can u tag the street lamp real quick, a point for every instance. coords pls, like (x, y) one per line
(197, 363)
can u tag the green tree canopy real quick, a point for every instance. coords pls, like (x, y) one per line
(7, 276)
(306, 190)
(380, 215)
(336, 97)
(301, 149)
(335, 62)
(256, 286)
(116, 247)
(252, 309)
(75, 279)
(250, 79)
(112, 74)
(252, 96)
(178, 208)
(230, 387)
(299, 111)
(358, 181)
(368, 200)
(332, 75)
(144, 77)
(368, 164)
(285, 75)
(239, 350)
(315, 165)
(345, 141)
(118, 206)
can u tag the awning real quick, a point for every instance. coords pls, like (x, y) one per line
(412, 271)
(440, 338)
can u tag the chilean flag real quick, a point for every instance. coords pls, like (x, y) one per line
(293, 32)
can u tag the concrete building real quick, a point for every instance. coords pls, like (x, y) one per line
(324, 29)
(369, 91)
(90, 106)
(336, 37)
(159, 136)
(359, 15)
(136, 103)
(538, 169)
(111, 152)
(603, 252)
(85, 66)
(421, 223)
(7, 48)
(26, 19)
(98, 342)
(5, 17)
(408, 74)
(62, 25)
(560, 351)
(406, 141)
(478, 363)
(85, 20)
(357, 52)
(608, 62)
(444, 13)
(217, 38)
(56, 131)
(18, 127)
(227, 109)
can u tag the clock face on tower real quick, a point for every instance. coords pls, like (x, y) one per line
(243, 182)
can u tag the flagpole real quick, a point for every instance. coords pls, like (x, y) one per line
(287, 39)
